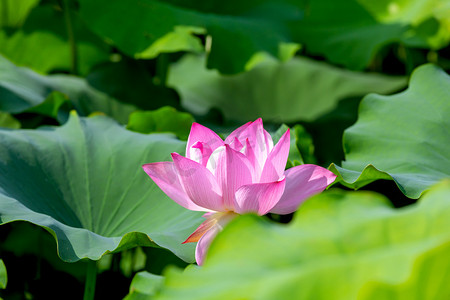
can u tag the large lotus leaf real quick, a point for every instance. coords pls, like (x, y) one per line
(14, 12)
(350, 245)
(238, 29)
(42, 43)
(404, 136)
(299, 89)
(22, 89)
(83, 182)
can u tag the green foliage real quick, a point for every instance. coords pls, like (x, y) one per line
(351, 243)
(238, 29)
(143, 70)
(42, 42)
(130, 82)
(297, 90)
(13, 12)
(85, 186)
(22, 89)
(165, 119)
(405, 136)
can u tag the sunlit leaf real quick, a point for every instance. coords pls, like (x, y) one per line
(351, 244)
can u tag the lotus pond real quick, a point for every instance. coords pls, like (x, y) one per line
(258, 149)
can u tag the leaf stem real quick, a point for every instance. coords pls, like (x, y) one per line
(71, 35)
(91, 277)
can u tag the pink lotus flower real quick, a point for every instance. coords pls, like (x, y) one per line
(243, 174)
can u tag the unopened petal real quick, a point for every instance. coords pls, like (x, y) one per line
(199, 183)
(254, 132)
(301, 183)
(200, 133)
(276, 161)
(259, 197)
(236, 145)
(164, 174)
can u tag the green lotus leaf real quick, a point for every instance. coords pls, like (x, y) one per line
(299, 89)
(3, 275)
(22, 89)
(83, 182)
(404, 136)
(354, 245)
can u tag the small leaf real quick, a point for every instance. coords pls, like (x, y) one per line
(180, 39)
(165, 119)
(3, 275)
(144, 286)
(56, 105)
(8, 121)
